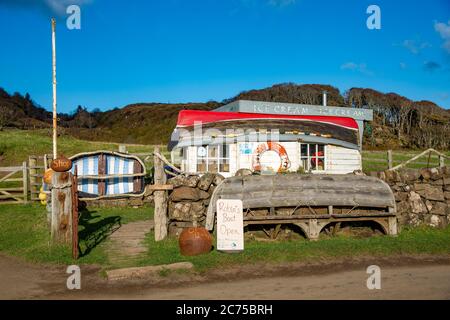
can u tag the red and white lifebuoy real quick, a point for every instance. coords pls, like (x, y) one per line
(271, 146)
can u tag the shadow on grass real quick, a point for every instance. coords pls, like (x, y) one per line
(95, 231)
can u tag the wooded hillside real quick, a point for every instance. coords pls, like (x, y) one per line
(398, 122)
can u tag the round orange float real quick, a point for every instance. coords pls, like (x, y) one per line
(194, 241)
(48, 174)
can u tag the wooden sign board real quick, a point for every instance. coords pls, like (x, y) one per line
(230, 225)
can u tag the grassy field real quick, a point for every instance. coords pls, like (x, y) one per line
(377, 160)
(24, 233)
(17, 145)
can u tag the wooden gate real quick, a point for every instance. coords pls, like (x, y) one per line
(37, 166)
(14, 184)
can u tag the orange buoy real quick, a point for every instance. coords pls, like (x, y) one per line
(271, 146)
(48, 174)
(194, 241)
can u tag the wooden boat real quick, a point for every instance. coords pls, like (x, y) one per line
(309, 201)
(108, 174)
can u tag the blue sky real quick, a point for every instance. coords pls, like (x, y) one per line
(198, 50)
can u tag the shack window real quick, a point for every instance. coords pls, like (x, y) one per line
(312, 156)
(213, 158)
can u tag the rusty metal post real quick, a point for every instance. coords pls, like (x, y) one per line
(75, 214)
(61, 224)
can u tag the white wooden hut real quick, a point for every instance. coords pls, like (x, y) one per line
(269, 137)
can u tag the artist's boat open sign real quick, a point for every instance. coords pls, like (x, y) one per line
(230, 225)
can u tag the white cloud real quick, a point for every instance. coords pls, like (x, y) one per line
(281, 3)
(444, 31)
(415, 46)
(359, 67)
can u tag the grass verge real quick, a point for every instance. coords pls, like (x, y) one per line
(414, 241)
(24, 232)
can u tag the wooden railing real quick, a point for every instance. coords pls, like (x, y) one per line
(386, 160)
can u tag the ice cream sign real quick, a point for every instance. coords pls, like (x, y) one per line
(230, 225)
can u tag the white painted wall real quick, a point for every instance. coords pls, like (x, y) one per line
(338, 160)
(342, 160)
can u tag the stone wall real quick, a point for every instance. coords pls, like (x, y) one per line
(125, 202)
(422, 195)
(189, 199)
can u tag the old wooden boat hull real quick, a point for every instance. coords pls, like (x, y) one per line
(108, 174)
(292, 198)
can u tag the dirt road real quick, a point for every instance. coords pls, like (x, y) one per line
(426, 281)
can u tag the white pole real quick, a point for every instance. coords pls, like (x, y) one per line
(54, 88)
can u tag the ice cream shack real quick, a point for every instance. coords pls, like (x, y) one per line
(269, 137)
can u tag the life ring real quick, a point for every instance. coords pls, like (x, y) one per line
(271, 146)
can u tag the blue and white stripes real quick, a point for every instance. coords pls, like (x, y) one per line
(118, 165)
(88, 165)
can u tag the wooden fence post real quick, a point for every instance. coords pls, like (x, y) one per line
(122, 148)
(61, 224)
(160, 198)
(389, 159)
(441, 161)
(25, 181)
(32, 163)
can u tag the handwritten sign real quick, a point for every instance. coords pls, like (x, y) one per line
(230, 225)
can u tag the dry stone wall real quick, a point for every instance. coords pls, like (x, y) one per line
(189, 199)
(422, 195)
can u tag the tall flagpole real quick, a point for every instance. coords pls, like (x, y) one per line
(54, 88)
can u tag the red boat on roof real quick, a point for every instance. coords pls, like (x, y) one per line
(187, 118)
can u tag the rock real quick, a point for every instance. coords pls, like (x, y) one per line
(438, 182)
(381, 175)
(419, 186)
(425, 173)
(218, 179)
(432, 193)
(414, 220)
(192, 181)
(188, 193)
(433, 221)
(447, 195)
(403, 206)
(435, 174)
(416, 203)
(446, 181)
(177, 181)
(447, 188)
(401, 196)
(429, 205)
(409, 175)
(205, 181)
(439, 208)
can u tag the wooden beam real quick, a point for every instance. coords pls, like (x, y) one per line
(160, 198)
(157, 187)
(25, 181)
